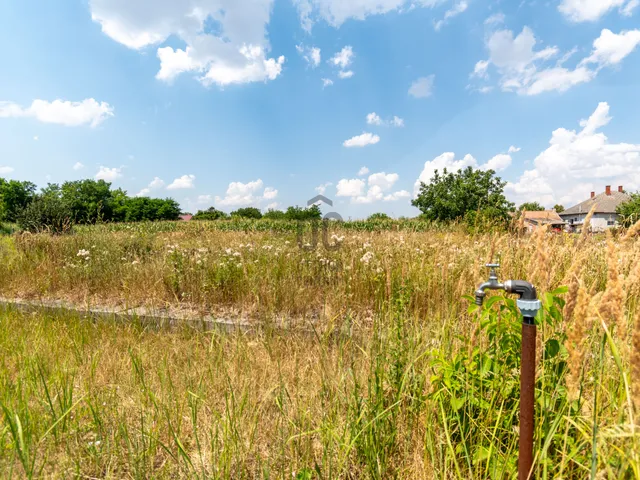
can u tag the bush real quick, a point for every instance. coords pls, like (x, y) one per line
(275, 215)
(297, 213)
(139, 209)
(46, 214)
(378, 216)
(248, 212)
(209, 214)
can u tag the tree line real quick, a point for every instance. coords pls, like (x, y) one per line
(470, 195)
(57, 207)
(291, 213)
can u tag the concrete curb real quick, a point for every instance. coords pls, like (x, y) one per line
(162, 319)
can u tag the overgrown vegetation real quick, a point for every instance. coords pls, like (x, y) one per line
(86, 202)
(387, 371)
(46, 214)
(210, 213)
(630, 211)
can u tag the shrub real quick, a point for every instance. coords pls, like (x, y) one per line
(46, 214)
(297, 213)
(378, 216)
(209, 214)
(275, 215)
(248, 212)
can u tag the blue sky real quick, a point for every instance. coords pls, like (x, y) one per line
(267, 102)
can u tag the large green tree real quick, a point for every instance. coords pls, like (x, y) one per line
(463, 194)
(140, 209)
(90, 200)
(14, 196)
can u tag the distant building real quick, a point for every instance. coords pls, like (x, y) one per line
(186, 218)
(534, 220)
(605, 215)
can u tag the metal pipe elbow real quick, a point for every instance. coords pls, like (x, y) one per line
(525, 290)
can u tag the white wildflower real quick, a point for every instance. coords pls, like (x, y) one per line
(366, 258)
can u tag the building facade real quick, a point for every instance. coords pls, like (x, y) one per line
(605, 215)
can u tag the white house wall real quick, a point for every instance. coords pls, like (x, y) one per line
(599, 221)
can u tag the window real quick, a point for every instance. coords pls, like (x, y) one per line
(610, 223)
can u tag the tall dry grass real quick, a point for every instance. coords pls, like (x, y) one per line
(399, 378)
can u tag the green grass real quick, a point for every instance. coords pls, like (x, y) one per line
(408, 400)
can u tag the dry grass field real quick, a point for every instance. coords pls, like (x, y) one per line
(393, 373)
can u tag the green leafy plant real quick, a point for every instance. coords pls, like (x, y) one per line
(477, 389)
(46, 214)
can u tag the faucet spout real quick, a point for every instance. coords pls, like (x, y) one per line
(490, 285)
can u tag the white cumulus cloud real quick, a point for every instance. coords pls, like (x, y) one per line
(610, 48)
(457, 9)
(527, 70)
(108, 174)
(336, 12)
(250, 193)
(270, 193)
(397, 122)
(62, 112)
(183, 182)
(155, 184)
(78, 166)
(350, 187)
(322, 188)
(513, 149)
(592, 10)
(378, 188)
(311, 55)
(498, 163)
(234, 52)
(578, 162)
(362, 140)
(422, 87)
(448, 161)
(4, 169)
(343, 58)
(374, 119)
(363, 171)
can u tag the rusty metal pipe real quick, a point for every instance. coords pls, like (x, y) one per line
(529, 305)
(527, 398)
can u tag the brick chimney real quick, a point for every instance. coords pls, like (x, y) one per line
(620, 189)
(608, 190)
(593, 194)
